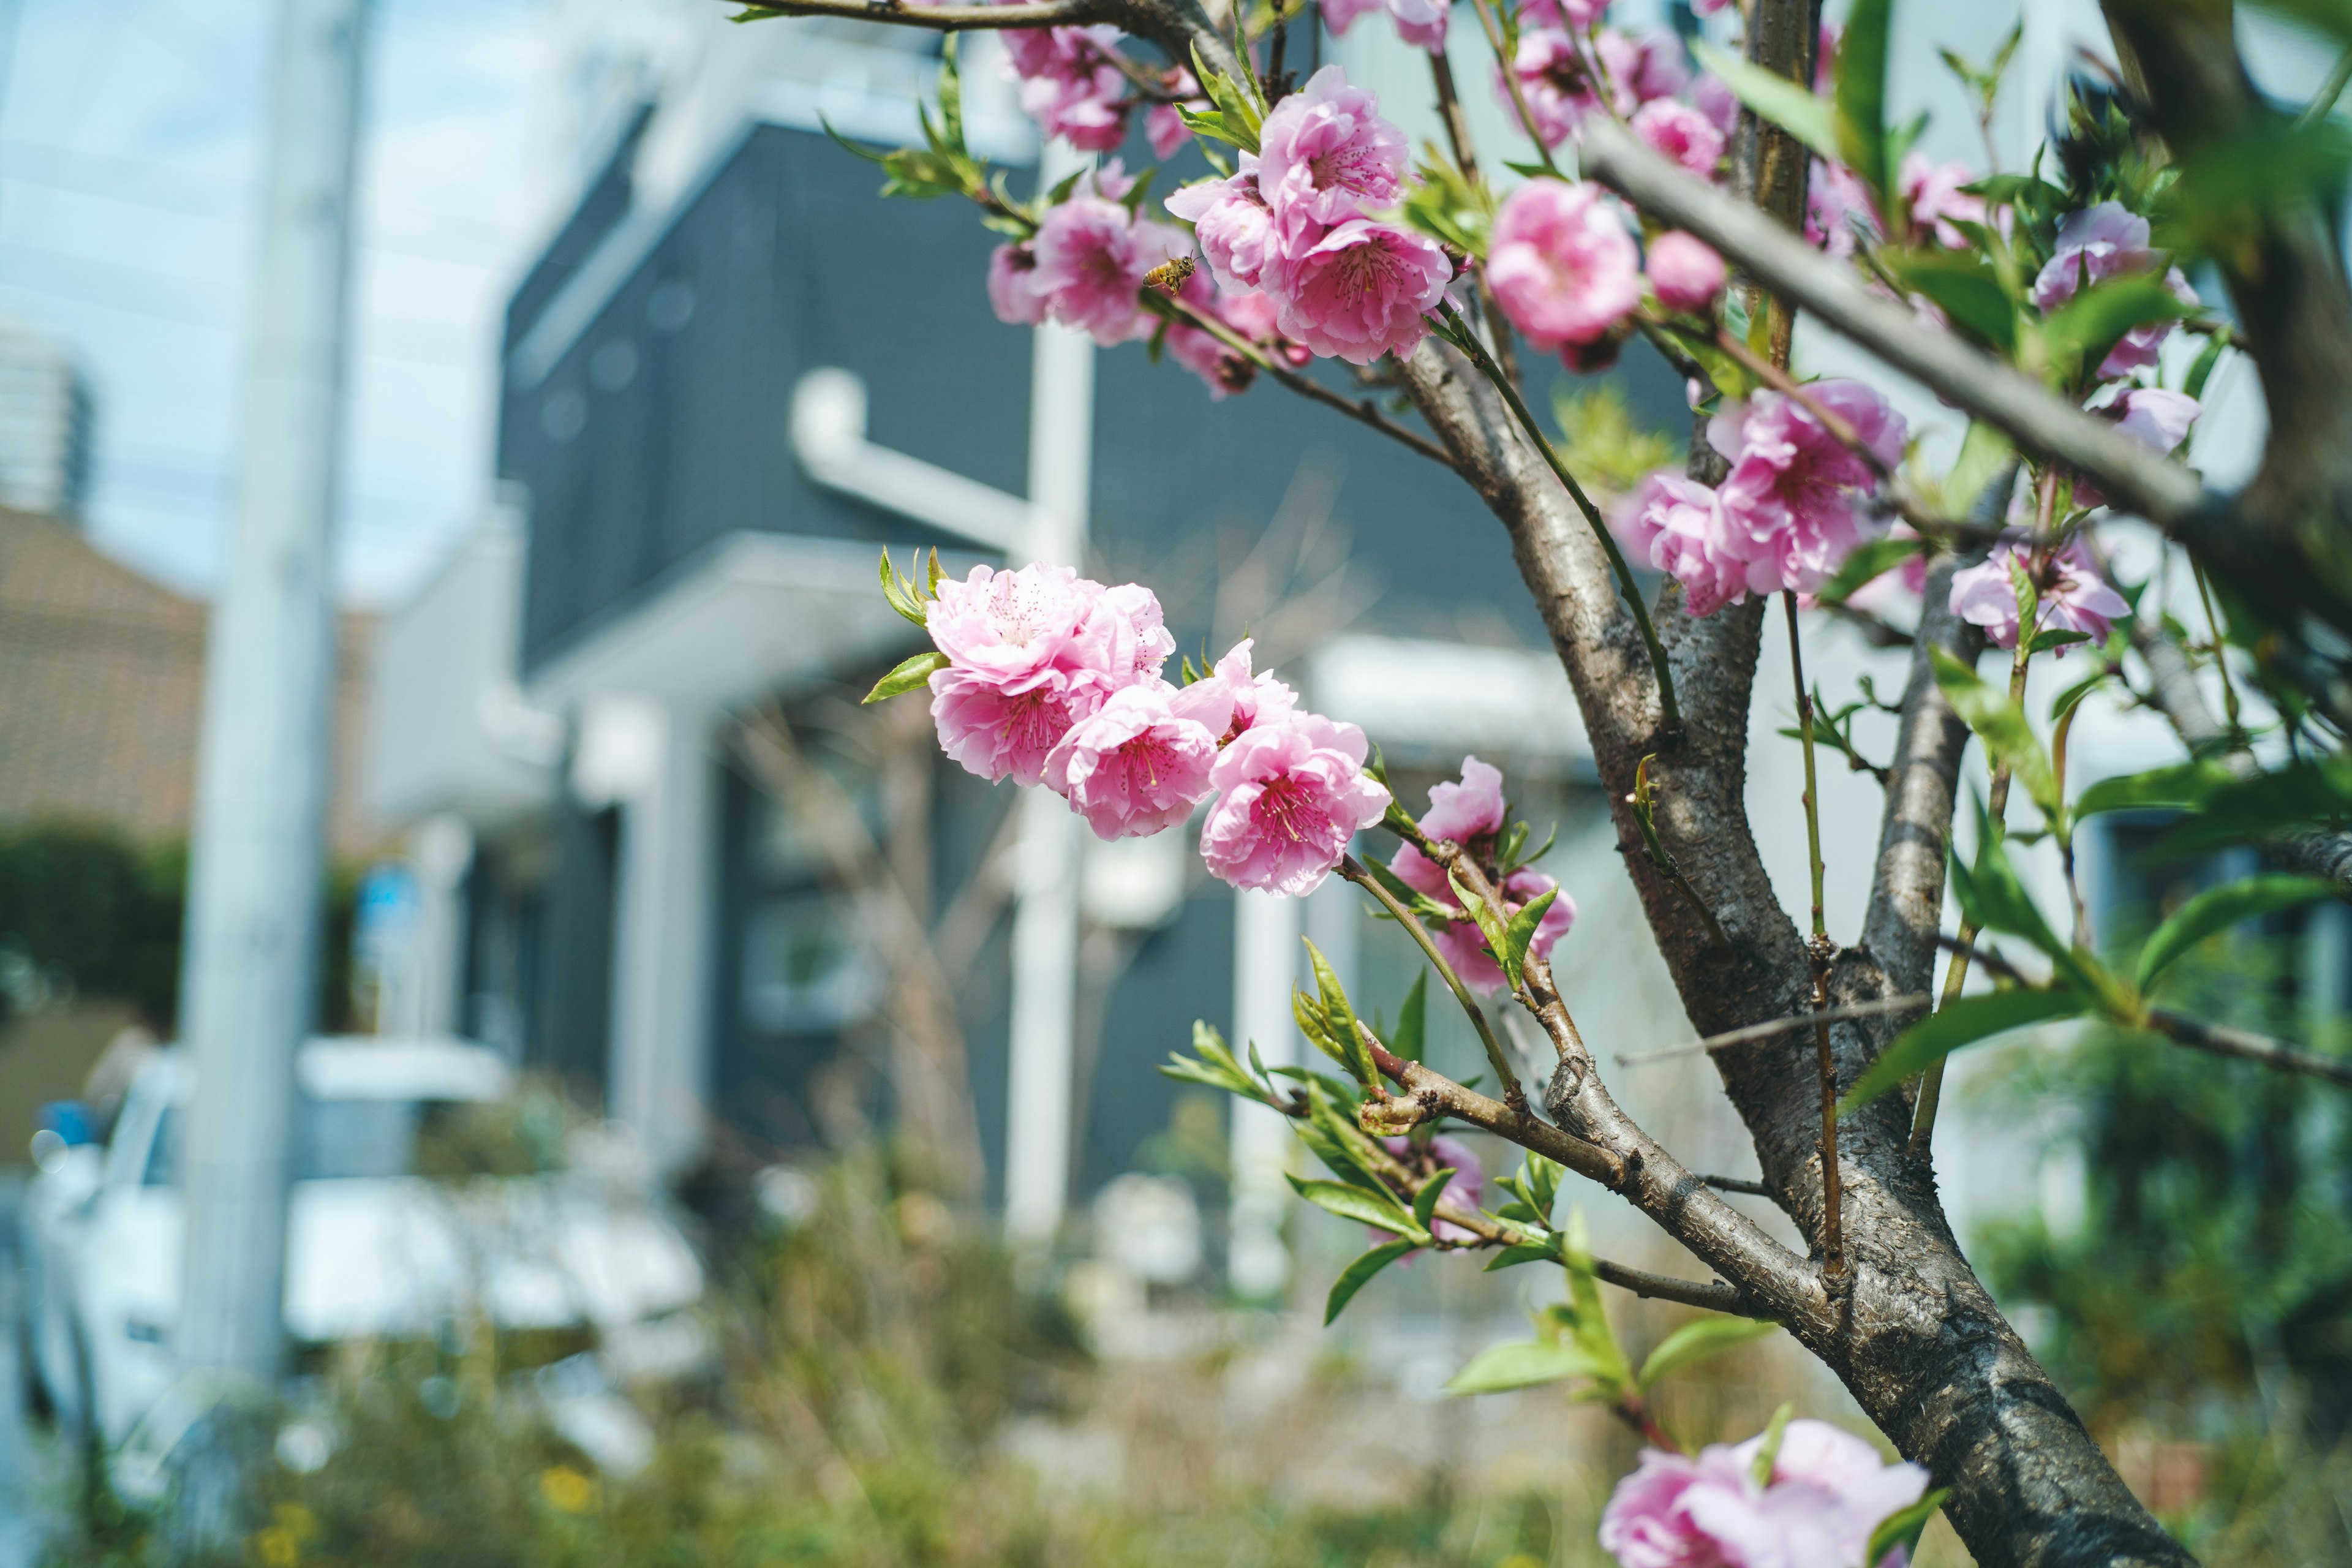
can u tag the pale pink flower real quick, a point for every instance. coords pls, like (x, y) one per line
(2102, 242)
(1681, 132)
(1836, 204)
(1257, 697)
(2156, 418)
(1932, 192)
(1291, 794)
(1230, 221)
(1684, 272)
(1420, 23)
(1659, 67)
(1466, 1192)
(1826, 1495)
(1675, 524)
(1068, 84)
(1200, 351)
(1464, 945)
(1360, 290)
(1794, 494)
(1140, 763)
(1325, 154)
(1715, 99)
(1576, 15)
(1471, 814)
(1162, 126)
(1556, 78)
(1092, 255)
(2075, 596)
(1562, 264)
(1012, 285)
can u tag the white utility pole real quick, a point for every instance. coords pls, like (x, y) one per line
(1045, 909)
(259, 852)
(1267, 952)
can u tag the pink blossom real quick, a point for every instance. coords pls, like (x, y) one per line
(1325, 154)
(1011, 286)
(1932, 192)
(1715, 99)
(1141, 762)
(1890, 587)
(1681, 132)
(1471, 814)
(2156, 418)
(1092, 254)
(1030, 653)
(1684, 272)
(1420, 23)
(2075, 596)
(1659, 67)
(1466, 1192)
(2102, 242)
(1464, 945)
(1257, 698)
(1794, 493)
(1360, 290)
(1707, 7)
(1576, 15)
(1676, 525)
(1162, 126)
(1231, 223)
(1837, 203)
(1068, 84)
(1827, 1492)
(1292, 793)
(1556, 81)
(1562, 263)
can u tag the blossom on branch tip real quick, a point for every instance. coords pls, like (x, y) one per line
(1827, 1492)
(1681, 132)
(1092, 255)
(2102, 242)
(1932, 192)
(1140, 763)
(2075, 596)
(1556, 78)
(1562, 264)
(1466, 1192)
(2156, 418)
(1012, 290)
(1420, 23)
(1794, 497)
(1325, 154)
(1360, 290)
(1684, 272)
(1257, 697)
(1675, 524)
(1292, 794)
(1069, 85)
(1471, 814)
(1232, 224)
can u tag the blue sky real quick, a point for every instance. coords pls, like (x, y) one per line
(131, 138)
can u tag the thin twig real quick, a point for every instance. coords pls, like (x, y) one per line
(1752, 1033)
(2223, 1039)
(1511, 83)
(1465, 158)
(1363, 413)
(947, 18)
(1738, 1184)
(1818, 954)
(1436, 1095)
(1354, 872)
(2323, 102)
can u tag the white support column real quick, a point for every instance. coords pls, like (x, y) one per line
(1037, 1131)
(659, 1073)
(1266, 965)
(440, 852)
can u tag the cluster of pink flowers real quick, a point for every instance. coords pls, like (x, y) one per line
(1565, 65)
(1793, 506)
(2099, 243)
(1472, 815)
(1054, 678)
(1565, 269)
(1827, 1493)
(2075, 596)
(1420, 23)
(1293, 223)
(1070, 85)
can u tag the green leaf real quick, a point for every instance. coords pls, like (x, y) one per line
(2049, 638)
(1489, 927)
(1521, 932)
(902, 593)
(1539, 1179)
(2080, 334)
(1966, 289)
(1904, 1527)
(909, 673)
(1962, 1021)
(1861, 90)
(1413, 1019)
(1868, 563)
(1424, 1203)
(2184, 787)
(1697, 1340)
(2217, 909)
(1340, 1019)
(1984, 452)
(1517, 1252)
(1768, 1452)
(1357, 1275)
(2002, 726)
(1585, 1316)
(2263, 805)
(1354, 1203)
(1809, 119)
(1520, 1364)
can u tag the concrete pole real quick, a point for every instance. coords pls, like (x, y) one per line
(269, 682)
(1045, 908)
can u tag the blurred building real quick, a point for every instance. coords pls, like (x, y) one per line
(47, 424)
(579, 716)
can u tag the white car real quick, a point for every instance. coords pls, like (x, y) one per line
(373, 1250)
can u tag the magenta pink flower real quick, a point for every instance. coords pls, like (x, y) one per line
(1230, 221)
(1794, 496)
(1466, 1192)
(1420, 23)
(1932, 192)
(1680, 132)
(1684, 272)
(1562, 263)
(1676, 525)
(2075, 596)
(1092, 255)
(1827, 1493)
(1068, 84)
(1141, 762)
(1470, 813)
(1292, 793)
(1012, 286)
(1325, 154)
(1837, 204)
(2102, 242)
(1360, 290)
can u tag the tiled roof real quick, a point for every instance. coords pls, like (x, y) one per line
(101, 692)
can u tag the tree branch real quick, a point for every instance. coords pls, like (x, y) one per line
(949, 18)
(2223, 1039)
